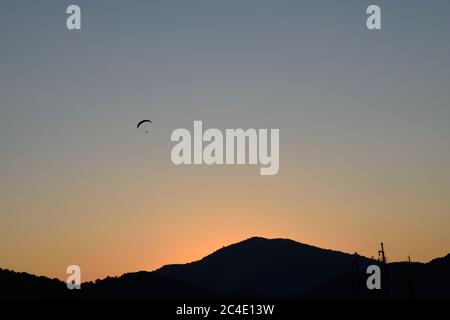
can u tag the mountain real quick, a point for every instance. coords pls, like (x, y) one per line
(263, 268)
(137, 285)
(141, 285)
(254, 268)
(21, 285)
(400, 280)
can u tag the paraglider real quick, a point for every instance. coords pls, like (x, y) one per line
(142, 122)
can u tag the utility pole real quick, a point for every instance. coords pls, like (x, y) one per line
(386, 274)
(381, 255)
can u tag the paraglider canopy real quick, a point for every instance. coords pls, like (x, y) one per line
(143, 121)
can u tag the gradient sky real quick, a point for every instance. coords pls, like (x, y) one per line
(364, 122)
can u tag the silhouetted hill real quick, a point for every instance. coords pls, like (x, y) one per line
(138, 285)
(254, 268)
(141, 285)
(400, 280)
(21, 285)
(263, 268)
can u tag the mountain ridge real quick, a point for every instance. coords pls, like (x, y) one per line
(243, 266)
(256, 267)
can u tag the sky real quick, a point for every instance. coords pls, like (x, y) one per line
(363, 118)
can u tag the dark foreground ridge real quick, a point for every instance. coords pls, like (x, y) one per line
(256, 268)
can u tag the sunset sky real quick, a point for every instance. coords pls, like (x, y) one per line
(364, 121)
